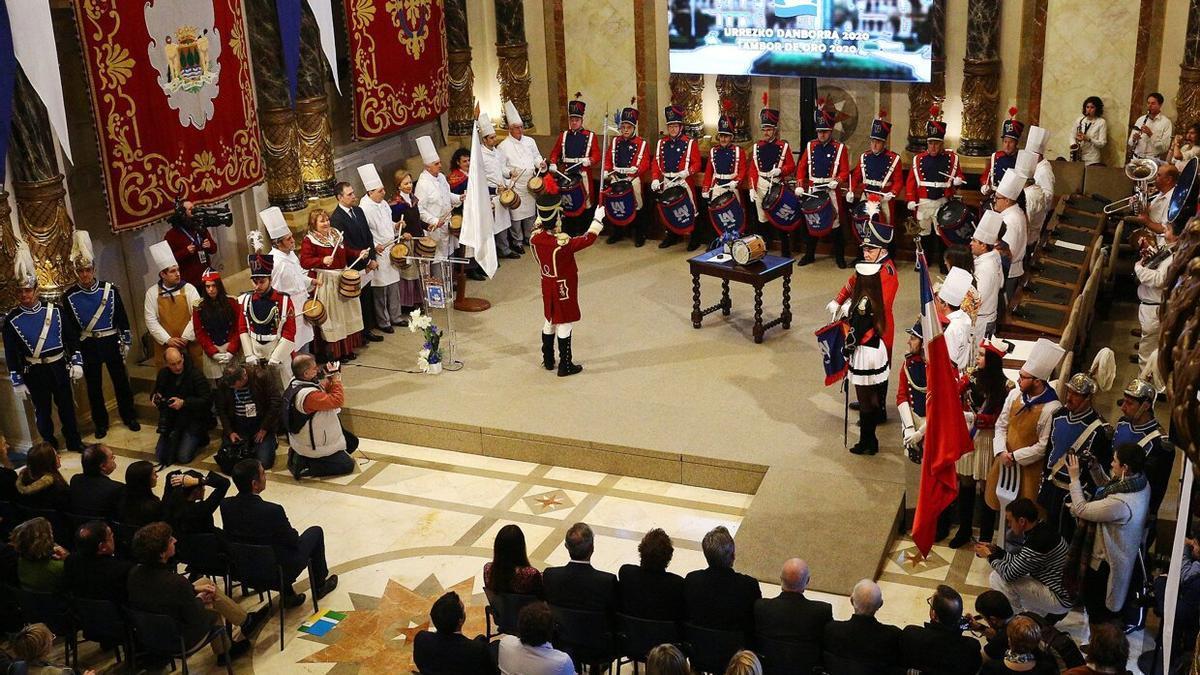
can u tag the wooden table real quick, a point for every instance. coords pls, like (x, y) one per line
(756, 274)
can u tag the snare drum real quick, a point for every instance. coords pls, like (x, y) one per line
(675, 210)
(456, 224)
(314, 312)
(955, 222)
(620, 204)
(399, 254)
(574, 196)
(509, 198)
(350, 284)
(819, 215)
(782, 207)
(536, 185)
(748, 249)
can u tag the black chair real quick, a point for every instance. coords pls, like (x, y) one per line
(586, 635)
(502, 609)
(52, 609)
(123, 536)
(786, 657)
(637, 636)
(257, 568)
(840, 665)
(63, 535)
(103, 621)
(710, 649)
(159, 634)
(204, 554)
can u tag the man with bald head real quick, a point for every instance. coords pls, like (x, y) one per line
(791, 617)
(861, 643)
(184, 401)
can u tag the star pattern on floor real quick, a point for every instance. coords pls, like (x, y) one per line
(911, 561)
(376, 637)
(548, 502)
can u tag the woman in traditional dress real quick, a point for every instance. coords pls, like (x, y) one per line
(406, 214)
(218, 327)
(867, 354)
(323, 255)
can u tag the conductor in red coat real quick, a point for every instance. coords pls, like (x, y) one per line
(555, 254)
(193, 247)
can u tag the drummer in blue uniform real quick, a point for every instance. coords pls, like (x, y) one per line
(676, 161)
(575, 150)
(934, 177)
(878, 174)
(824, 169)
(40, 350)
(1139, 427)
(1078, 429)
(626, 162)
(96, 313)
(1005, 158)
(771, 162)
(723, 177)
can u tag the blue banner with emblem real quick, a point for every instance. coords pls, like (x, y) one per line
(830, 340)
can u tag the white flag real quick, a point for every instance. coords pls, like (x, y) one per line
(477, 211)
(33, 45)
(323, 12)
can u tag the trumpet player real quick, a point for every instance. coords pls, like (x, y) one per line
(1151, 272)
(1151, 134)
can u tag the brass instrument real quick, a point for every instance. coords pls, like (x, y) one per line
(1141, 171)
(1145, 243)
(1076, 152)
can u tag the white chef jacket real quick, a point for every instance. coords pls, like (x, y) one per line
(501, 217)
(1158, 142)
(289, 278)
(519, 160)
(150, 309)
(1039, 201)
(434, 202)
(1031, 453)
(1095, 137)
(383, 231)
(989, 280)
(1015, 235)
(1157, 211)
(959, 339)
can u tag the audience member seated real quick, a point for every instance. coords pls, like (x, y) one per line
(447, 651)
(39, 484)
(510, 571)
(93, 570)
(718, 597)
(184, 401)
(790, 616)
(1032, 577)
(251, 520)
(994, 613)
(667, 660)
(186, 508)
(578, 585)
(8, 476)
(40, 560)
(862, 638)
(93, 493)
(939, 647)
(313, 402)
(140, 505)
(1025, 653)
(532, 653)
(248, 403)
(648, 590)
(33, 645)
(1108, 652)
(744, 662)
(1113, 521)
(197, 607)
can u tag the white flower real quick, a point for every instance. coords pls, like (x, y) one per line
(423, 354)
(413, 319)
(422, 364)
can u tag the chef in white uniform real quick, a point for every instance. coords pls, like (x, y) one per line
(959, 341)
(493, 169)
(435, 200)
(1043, 178)
(988, 272)
(520, 160)
(386, 281)
(1016, 230)
(287, 276)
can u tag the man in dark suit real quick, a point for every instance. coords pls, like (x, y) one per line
(348, 218)
(718, 597)
(93, 493)
(939, 647)
(648, 590)
(791, 617)
(578, 585)
(448, 651)
(862, 639)
(249, 519)
(93, 571)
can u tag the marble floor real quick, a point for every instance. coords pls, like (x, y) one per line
(412, 522)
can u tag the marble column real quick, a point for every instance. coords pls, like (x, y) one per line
(513, 53)
(39, 191)
(277, 118)
(981, 79)
(736, 90)
(314, 126)
(921, 96)
(687, 91)
(1187, 101)
(461, 76)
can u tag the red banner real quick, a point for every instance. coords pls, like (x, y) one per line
(173, 103)
(399, 62)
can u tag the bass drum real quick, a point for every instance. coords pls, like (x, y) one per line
(956, 223)
(676, 211)
(820, 217)
(782, 207)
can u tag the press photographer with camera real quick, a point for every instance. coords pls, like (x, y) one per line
(320, 446)
(248, 403)
(194, 248)
(183, 399)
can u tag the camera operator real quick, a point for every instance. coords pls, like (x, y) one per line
(313, 401)
(183, 399)
(190, 241)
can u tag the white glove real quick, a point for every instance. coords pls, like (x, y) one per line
(919, 435)
(832, 184)
(958, 181)
(251, 360)
(706, 194)
(843, 311)
(598, 215)
(832, 308)
(628, 170)
(76, 372)
(909, 434)
(124, 350)
(655, 184)
(21, 391)
(773, 172)
(585, 163)
(889, 196)
(985, 189)
(799, 191)
(596, 226)
(912, 206)
(554, 168)
(849, 197)
(223, 357)
(272, 362)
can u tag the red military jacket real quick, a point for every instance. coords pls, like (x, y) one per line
(673, 155)
(192, 264)
(926, 179)
(560, 273)
(725, 164)
(891, 284)
(824, 160)
(626, 153)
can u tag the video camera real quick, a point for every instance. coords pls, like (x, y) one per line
(202, 216)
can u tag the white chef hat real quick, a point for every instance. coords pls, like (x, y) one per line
(988, 230)
(955, 287)
(81, 249)
(486, 128)
(272, 218)
(1037, 139)
(429, 153)
(1012, 184)
(1026, 162)
(162, 256)
(369, 177)
(511, 115)
(1043, 359)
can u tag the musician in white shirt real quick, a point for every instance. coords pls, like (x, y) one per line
(1091, 131)
(494, 170)
(287, 276)
(1043, 178)
(386, 280)
(1151, 273)
(1155, 217)
(1186, 148)
(435, 200)
(1151, 136)
(520, 160)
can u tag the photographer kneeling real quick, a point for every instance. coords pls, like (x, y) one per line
(248, 403)
(313, 400)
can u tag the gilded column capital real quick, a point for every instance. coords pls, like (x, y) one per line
(687, 91)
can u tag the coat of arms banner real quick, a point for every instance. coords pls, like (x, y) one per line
(399, 62)
(173, 103)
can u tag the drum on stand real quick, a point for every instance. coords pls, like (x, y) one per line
(748, 249)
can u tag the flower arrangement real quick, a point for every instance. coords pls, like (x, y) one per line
(429, 359)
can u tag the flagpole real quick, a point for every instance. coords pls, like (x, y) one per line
(462, 302)
(846, 412)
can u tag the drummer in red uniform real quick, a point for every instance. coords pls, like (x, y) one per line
(771, 161)
(555, 252)
(1005, 158)
(676, 161)
(724, 175)
(824, 167)
(626, 162)
(878, 173)
(935, 175)
(575, 151)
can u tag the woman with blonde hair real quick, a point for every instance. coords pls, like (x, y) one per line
(744, 662)
(323, 254)
(667, 660)
(40, 560)
(32, 644)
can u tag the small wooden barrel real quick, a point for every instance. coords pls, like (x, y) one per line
(425, 247)
(350, 284)
(456, 224)
(314, 312)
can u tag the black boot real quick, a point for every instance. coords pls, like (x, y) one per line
(987, 524)
(839, 245)
(867, 444)
(810, 250)
(565, 366)
(695, 239)
(618, 233)
(548, 351)
(669, 239)
(785, 244)
(966, 514)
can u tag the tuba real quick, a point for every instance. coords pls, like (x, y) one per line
(1141, 171)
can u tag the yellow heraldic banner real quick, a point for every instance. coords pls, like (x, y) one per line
(398, 60)
(173, 103)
